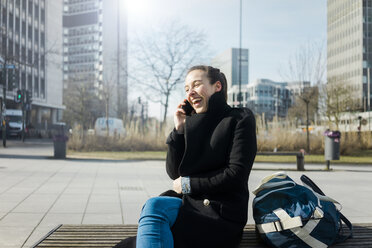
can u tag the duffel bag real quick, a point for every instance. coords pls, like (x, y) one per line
(291, 215)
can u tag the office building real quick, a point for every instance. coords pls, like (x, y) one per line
(296, 88)
(228, 63)
(349, 48)
(269, 97)
(262, 95)
(31, 40)
(95, 49)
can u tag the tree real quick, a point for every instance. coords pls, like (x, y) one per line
(80, 100)
(337, 98)
(163, 58)
(307, 99)
(106, 94)
(307, 64)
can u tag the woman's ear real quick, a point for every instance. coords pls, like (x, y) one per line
(218, 86)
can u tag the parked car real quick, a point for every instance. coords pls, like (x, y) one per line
(115, 127)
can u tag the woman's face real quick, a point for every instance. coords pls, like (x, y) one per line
(199, 90)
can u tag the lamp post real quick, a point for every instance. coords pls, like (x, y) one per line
(369, 97)
(240, 58)
(3, 32)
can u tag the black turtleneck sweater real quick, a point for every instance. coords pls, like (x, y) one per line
(216, 152)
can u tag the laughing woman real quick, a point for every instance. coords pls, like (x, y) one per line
(210, 155)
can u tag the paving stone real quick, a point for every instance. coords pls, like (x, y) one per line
(20, 220)
(36, 203)
(14, 236)
(103, 208)
(58, 218)
(6, 206)
(102, 219)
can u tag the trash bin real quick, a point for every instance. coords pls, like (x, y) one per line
(59, 142)
(332, 145)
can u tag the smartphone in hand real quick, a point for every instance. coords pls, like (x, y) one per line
(187, 108)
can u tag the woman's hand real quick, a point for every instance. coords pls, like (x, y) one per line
(177, 185)
(180, 117)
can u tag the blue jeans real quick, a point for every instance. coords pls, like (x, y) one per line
(157, 217)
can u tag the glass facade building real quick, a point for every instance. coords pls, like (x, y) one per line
(31, 35)
(349, 47)
(269, 97)
(228, 63)
(23, 38)
(95, 48)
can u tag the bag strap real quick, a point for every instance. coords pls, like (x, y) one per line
(302, 233)
(285, 222)
(342, 238)
(311, 184)
(306, 180)
(265, 184)
(270, 185)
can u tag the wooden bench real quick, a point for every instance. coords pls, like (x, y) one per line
(300, 158)
(100, 236)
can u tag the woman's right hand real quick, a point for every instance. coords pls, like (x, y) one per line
(180, 117)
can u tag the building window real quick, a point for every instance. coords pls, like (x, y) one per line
(30, 7)
(42, 88)
(36, 87)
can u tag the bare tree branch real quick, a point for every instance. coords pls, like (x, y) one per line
(164, 57)
(308, 64)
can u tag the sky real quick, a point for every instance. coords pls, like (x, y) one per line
(272, 30)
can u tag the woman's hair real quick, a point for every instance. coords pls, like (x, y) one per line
(214, 75)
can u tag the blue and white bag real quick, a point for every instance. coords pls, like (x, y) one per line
(292, 215)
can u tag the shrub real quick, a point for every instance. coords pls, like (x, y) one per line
(287, 140)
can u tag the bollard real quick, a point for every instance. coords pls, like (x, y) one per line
(300, 161)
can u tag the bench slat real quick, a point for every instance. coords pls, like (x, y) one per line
(101, 236)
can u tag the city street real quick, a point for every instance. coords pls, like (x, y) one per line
(38, 192)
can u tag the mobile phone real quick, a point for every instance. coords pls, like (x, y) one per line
(187, 108)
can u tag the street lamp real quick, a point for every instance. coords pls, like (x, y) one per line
(240, 58)
(369, 97)
(4, 32)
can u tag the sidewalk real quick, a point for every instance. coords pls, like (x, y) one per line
(37, 193)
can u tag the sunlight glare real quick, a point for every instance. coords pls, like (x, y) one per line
(137, 7)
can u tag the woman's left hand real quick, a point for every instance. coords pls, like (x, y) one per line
(177, 185)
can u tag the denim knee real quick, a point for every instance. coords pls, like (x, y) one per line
(164, 208)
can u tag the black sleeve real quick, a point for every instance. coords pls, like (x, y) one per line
(236, 173)
(176, 149)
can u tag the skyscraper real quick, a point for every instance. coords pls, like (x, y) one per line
(31, 39)
(349, 48)
(95, 48)
(228, 63)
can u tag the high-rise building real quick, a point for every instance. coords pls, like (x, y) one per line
(228, 63)
(349, 48)
(269, 97)
(297, 88)
(31, 40)
(95, 49)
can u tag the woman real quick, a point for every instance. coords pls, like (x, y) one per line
(210, 155)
